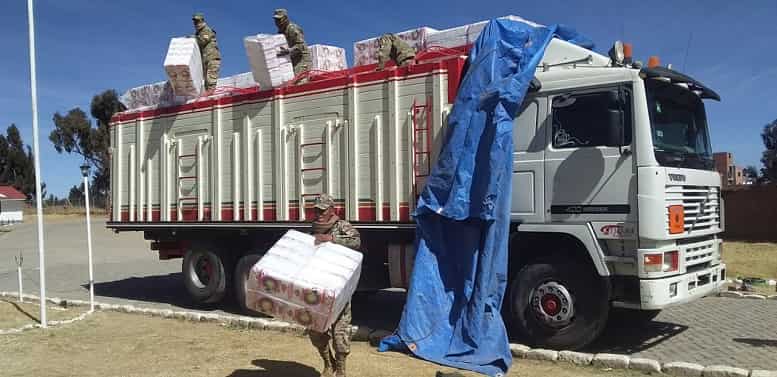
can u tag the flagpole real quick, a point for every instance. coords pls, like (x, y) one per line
(36, 150)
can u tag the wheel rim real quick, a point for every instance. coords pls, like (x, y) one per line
(552, 304)
(203, 269)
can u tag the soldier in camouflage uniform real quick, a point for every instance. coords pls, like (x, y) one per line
(328, 227)
(209, 50)
(391, 47)
(295, 38)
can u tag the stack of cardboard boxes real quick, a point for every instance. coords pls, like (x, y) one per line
(183, 65)
(269, 69)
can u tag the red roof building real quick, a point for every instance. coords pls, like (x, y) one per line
(10, 193)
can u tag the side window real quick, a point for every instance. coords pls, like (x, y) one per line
(581, 120)
(525, 126)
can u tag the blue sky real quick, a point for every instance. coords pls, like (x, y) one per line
(85, 47)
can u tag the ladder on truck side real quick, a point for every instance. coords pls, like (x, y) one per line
(422, 147)
(325, 145)
(181, 197)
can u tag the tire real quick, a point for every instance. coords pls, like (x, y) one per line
(242, 269)
(205, 275)
(632, 318)
(573, 323)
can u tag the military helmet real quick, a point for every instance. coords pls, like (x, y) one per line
(280, 13)
(324, 202)
(198, 17)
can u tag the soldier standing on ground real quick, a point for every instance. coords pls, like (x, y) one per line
(328, 227)
(209, 50)
(391, 47)
(295, 38)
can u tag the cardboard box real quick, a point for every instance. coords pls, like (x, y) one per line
(300, 282)
(327, 58)
(183, 65)
(269, 70)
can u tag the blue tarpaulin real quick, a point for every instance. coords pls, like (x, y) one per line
(453, 311)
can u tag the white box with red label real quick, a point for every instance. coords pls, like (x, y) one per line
(300, 282)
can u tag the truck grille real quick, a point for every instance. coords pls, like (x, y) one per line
(701, 205)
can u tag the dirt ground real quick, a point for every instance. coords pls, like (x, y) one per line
(114, 344)
(14, 314)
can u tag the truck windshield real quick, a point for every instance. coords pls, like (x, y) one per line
(679, 126)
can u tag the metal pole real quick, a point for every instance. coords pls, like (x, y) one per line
(89, 244)
(36, 150)
(19, 262)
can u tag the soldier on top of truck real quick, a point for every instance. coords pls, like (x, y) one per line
(295, 38)
(393, 48)
(209, 49)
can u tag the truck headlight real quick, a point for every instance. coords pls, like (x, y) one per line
(662, 262)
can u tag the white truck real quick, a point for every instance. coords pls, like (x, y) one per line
(615, 202)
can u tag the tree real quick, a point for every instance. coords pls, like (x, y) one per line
(769, 158)
(16, 162)
(751, 173)
(76, 195)
(74, 133)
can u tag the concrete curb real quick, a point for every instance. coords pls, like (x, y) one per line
(733, 294)
(366, 334)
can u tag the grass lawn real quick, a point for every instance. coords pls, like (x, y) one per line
(14, 314)
(746, 259)
(116, 344)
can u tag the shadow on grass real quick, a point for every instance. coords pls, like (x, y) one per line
(276, 368)
(21, 310)
(755, 342)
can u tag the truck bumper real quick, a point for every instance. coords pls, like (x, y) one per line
(665, 292)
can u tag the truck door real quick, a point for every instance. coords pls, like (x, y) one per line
(528, 194)
(587, 176)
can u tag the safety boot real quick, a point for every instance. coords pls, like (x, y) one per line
(340, 365)
(329, 362)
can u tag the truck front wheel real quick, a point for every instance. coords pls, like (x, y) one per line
(205, 275)
(558, 305)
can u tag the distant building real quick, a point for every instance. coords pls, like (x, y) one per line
(730, 174)
(11, 205)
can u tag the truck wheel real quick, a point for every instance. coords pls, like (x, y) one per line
(559, 306)
(205, 275)
(242, 269)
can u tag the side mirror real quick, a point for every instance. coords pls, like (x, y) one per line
(614, 130)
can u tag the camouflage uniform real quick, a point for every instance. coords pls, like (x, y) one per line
(390, 47)
(209, 50)
(295, 38)
(343, 233)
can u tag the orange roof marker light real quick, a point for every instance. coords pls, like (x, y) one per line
(627, 54)
(654, 62)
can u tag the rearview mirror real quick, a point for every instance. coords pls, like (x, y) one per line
(614, 128)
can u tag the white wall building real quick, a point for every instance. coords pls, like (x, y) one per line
(11, 205)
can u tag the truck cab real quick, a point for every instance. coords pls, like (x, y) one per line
(615, 201)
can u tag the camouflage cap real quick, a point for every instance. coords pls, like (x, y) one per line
(324, 202)
(280, 13)
(198, 17)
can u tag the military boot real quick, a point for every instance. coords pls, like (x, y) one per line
(340, 365)
(329, 363)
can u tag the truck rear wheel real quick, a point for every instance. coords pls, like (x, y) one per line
(558, 305)
(205, 275)
(242, 269)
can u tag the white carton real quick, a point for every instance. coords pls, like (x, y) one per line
(464, 35)
(183, 65)
(303, 283)
(364, 52)
(327, 58)
(269, 69)
(239, 81)
(158, 94)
